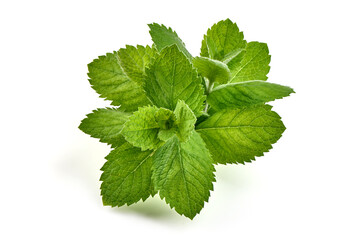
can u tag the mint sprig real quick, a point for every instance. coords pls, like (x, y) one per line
(176, 115)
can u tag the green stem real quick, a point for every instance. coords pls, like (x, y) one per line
(208, 90)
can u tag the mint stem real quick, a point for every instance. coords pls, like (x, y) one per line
(208, 90)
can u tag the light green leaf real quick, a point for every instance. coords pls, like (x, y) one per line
(221, 40)
(105, 124)
(250, 64)
(236, 95)
(141, 129)
(185, 121)
(170, 78)
(134, 60)
(109, 80)
(234, 54)
(164, 37)
(126, 176)
(213, 70)
(165, 118)
(203, 117)
(239, 135)
(166, 134)
(183, 174)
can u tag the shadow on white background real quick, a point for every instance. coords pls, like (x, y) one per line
(79, 167)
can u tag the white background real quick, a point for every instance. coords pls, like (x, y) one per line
(307, 187)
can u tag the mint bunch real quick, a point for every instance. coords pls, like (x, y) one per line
(176, 115)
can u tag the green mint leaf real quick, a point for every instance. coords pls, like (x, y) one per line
(166, 134)
(183, 174)
(239, 135)
(134, 60)
(185, 121)
(165, 118)
(250, 64)
(148, 126)
(235, 54)
(222, 40)
(213, 70)
(105, 124)
(126, 176)
(171, 77)
(108, 79)
(236, 95)
(203, 117)
(164, 37)
(142, 128)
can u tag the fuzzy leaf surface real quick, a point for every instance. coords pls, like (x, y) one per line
(105, 124)
(134, 60)
(126, 176)
(250, 64)
(165, 118)
(165, 135)
(185, 121)
(141, 129)
(222, 39)
(239, 135)
(213, 70)
(108, 79)
(183, 174)
(236, 95)
(164, 37)
(171, 77)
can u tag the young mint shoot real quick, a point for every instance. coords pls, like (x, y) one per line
(176, 115)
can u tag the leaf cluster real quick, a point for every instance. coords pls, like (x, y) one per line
(176, 115)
